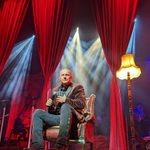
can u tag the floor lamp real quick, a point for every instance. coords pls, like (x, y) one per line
(128, 71)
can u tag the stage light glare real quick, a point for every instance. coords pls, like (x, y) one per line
(135, 20)
(33, 36)
(82, 57)
(16, 69)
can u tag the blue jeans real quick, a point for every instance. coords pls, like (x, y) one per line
(64, 120)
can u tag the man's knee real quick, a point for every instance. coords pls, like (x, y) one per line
(66, 110)
(37, 112)
(65, 106)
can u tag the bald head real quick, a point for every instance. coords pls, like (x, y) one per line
(65, 76)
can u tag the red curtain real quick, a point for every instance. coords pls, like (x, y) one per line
(12, 14)
(114, 20)
(52, 19)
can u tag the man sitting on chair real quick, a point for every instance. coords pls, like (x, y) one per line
(65, 109)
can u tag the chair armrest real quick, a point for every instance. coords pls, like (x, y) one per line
(89, 110)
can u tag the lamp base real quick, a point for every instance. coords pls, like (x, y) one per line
(137, 143)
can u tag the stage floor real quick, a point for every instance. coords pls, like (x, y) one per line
(100, 143)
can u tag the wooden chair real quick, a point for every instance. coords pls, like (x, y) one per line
(85, 130)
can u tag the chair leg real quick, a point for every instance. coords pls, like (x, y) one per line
(91, 146)
(83, 145)
(47, 145)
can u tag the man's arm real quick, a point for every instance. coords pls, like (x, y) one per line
(77, 98)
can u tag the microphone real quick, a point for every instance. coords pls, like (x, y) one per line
(54, 96)
(63, 89)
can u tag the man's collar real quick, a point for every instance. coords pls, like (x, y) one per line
(66, 86)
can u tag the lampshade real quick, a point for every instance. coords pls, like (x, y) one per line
(128, 66)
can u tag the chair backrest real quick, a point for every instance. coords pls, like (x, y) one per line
(90, 106)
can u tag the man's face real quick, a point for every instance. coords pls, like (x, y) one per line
(65, 76)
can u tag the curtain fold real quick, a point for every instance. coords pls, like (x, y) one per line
(12, 14)
(52, 20)
(114, 20)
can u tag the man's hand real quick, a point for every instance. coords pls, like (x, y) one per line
(49, 102)
(61, 99)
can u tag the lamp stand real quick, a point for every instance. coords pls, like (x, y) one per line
(132, 127)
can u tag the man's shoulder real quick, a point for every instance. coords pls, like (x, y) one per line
(56, 88)
(77, 85)
(73, 86)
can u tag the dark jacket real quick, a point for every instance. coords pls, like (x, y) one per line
(75, 98)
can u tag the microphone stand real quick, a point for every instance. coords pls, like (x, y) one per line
(31, 122)
(3, 118)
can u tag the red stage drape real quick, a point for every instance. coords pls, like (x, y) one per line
(52, 19)
(12, 14)
(114, 20)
